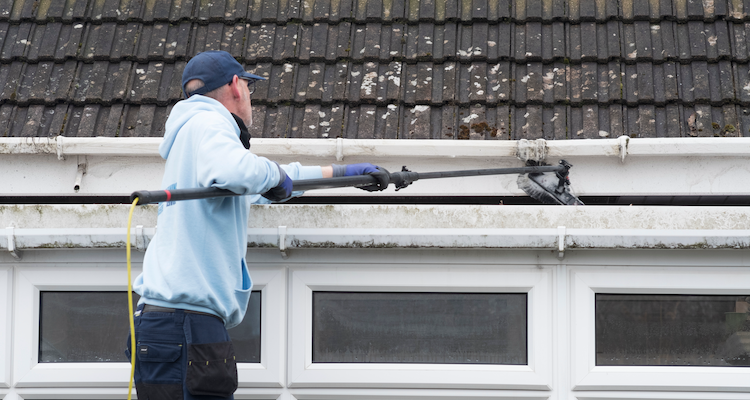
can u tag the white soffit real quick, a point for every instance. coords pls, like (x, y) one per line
(622, 166)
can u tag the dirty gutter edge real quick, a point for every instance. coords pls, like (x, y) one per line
(556, 238)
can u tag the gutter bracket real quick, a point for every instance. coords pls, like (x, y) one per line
(560, 242)
(140, 239)
(12, 243)
(339, 149)
(282, 242)
(623, 141)
(59, 142)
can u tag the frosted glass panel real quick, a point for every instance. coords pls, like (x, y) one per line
(441, 328)
(672, 330)
(93, 327)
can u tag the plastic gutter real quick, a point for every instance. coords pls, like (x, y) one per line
(339, 148)
(283, 238)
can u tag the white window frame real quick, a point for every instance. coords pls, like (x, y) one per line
(586, 282)
(31, 280)
(6, 313)
(536, 281)
(270, 371)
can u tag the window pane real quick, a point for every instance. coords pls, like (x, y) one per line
(672, 330)
(93, 327)
(246, 336)
(83, 326)
(434, 328)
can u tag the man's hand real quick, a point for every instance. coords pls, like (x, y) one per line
(381, 174)
(282, 191)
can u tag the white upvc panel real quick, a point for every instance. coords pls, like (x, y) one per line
(617, 395)
(270, 371)
(27, 371)
(6, 315)
(535, 281)
(586, 282)
(415, 394)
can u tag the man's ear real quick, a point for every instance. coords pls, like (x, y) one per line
(235, 86)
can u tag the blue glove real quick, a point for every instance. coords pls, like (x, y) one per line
(282, 191)
(382, 175)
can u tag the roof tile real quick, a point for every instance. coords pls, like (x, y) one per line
(6, 6)
(34, 43)
(590, 82)
(574, 50)
(671, 127)
(39, 92)
(4, 28)
(588, 41)
(448, 10)
(337, 76)
(368, 121)
(344, 9)
(417, 123)
(320, 11)
(645, 83)
(303, 91)
(335, 121)
(6, 115)
(280, 83)
(701, 81)
(318, 40)
(310, 126)
(116, 85)
(498, 82)
(683, 42)
(61, 81)
(10, 78)
(260, 43)
(739, 38)
(181, 10)
(409, 81)
(448, 122)
(305, 42)
(278, 120)
(157, 44)
(742, 73)
(46, 47)
(629, 45)
(358, 43)
(643, 44)
(110, 121)
(32, 125)
(726, 82)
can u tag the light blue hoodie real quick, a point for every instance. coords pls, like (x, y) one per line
(196, 261)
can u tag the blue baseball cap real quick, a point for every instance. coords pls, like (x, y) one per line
(215, 69)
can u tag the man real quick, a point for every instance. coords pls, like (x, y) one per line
(195, 283)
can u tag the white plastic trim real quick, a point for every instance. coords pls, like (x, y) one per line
(340, 148)
(6, 322)
(559, 239)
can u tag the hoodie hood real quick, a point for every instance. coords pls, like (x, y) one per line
(185, 110)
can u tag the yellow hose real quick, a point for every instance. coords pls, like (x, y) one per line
(130, 305)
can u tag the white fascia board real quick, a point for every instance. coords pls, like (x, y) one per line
(339, 148)
(551, 239)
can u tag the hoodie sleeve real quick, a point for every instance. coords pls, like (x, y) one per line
(296, 171)
(224, 163)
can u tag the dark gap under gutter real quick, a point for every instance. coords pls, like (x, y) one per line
(733, 201)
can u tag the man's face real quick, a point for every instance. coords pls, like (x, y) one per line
(245, 103)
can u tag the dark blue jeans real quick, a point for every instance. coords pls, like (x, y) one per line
(182, 355)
